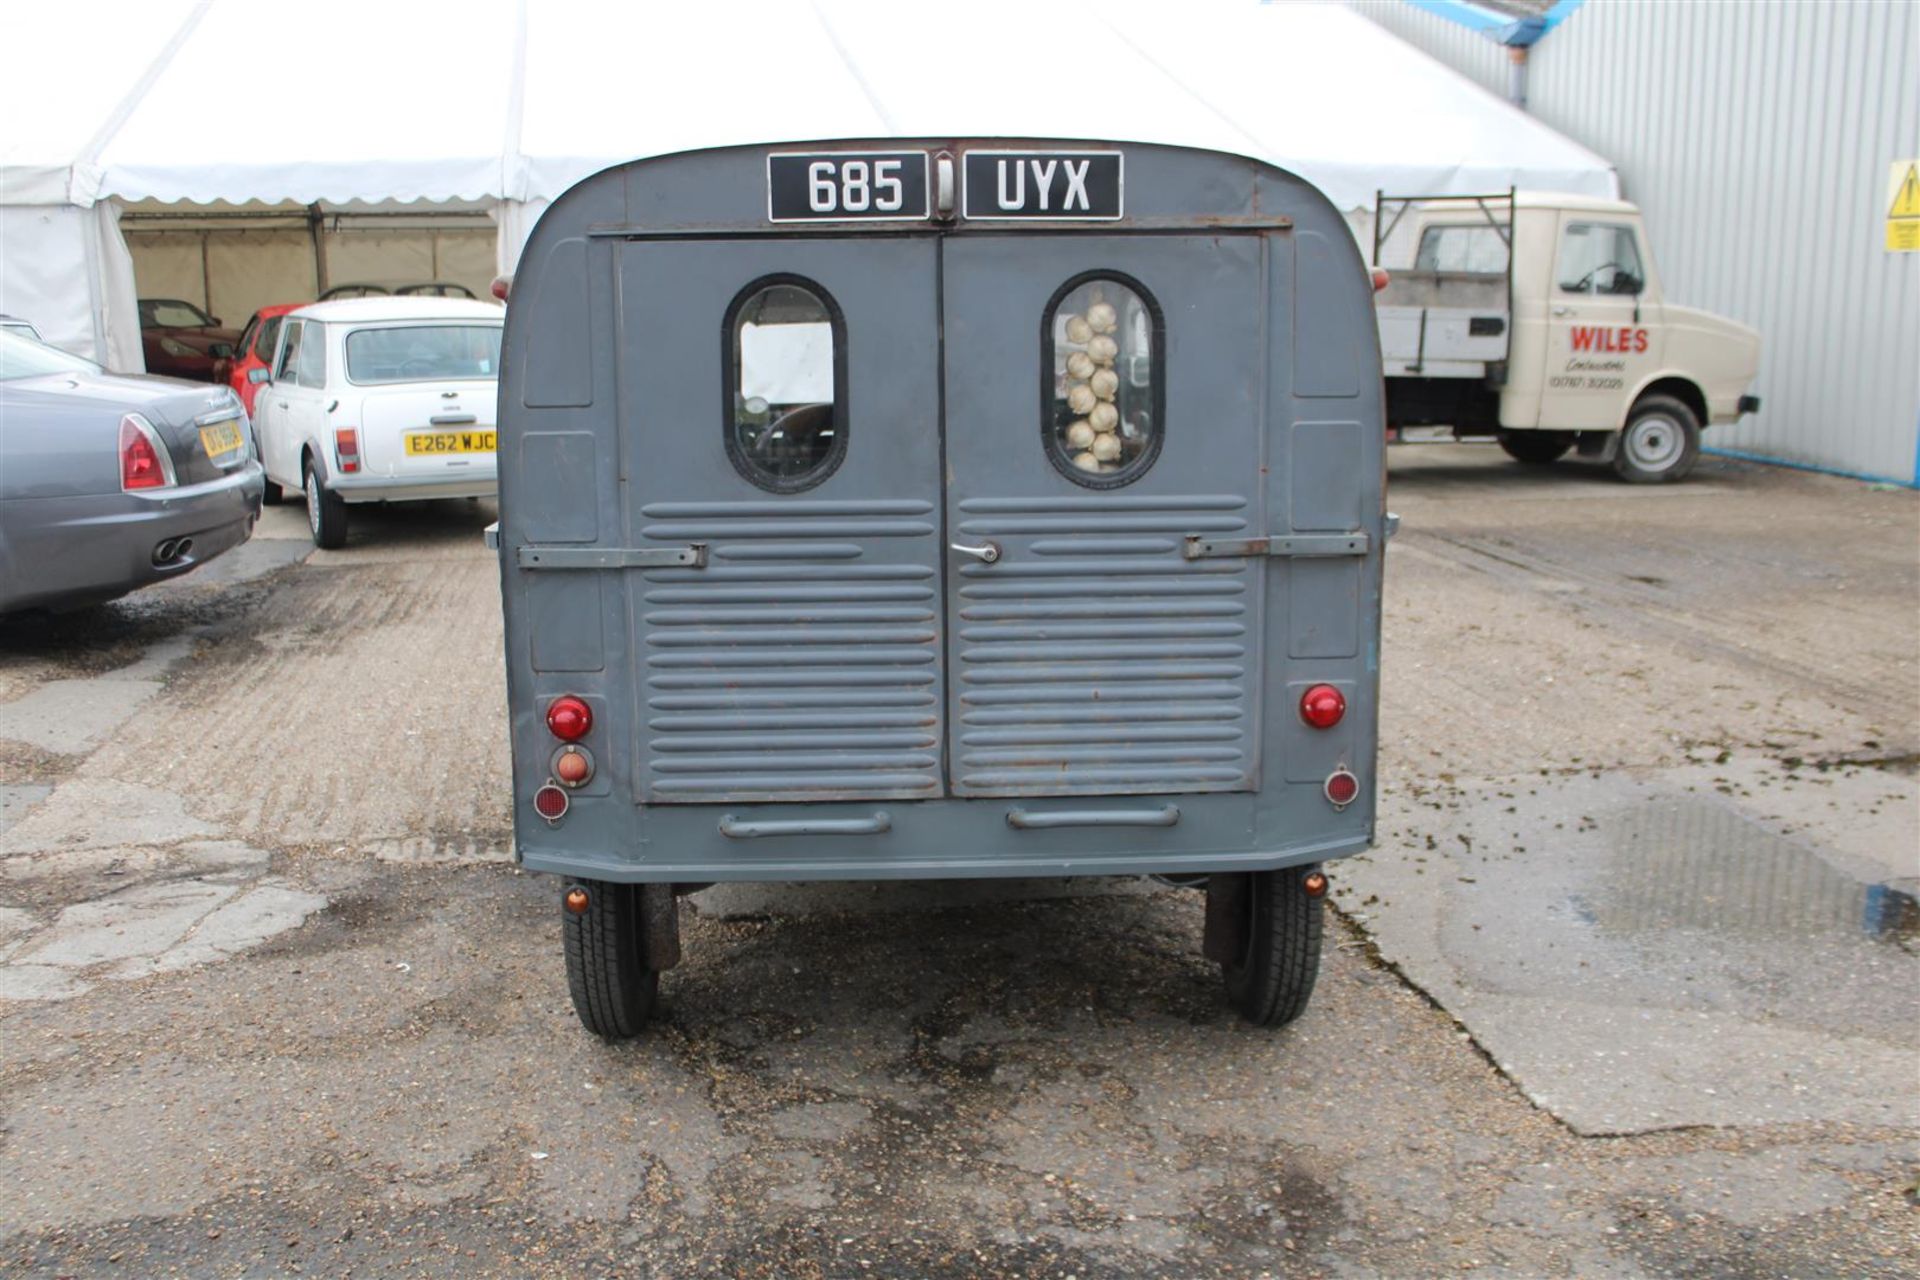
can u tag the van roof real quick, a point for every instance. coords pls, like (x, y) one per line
(1571, 200)
(373, 310)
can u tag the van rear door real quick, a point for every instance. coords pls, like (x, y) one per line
(780, 408)
(1093, 653)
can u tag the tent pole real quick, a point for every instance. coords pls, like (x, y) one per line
(316, 221)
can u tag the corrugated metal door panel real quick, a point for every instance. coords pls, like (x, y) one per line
(1092, 657)
(802, 662)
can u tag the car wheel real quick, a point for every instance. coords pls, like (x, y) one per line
(326, 512)
(1536, 448)
(1271, 981)
(613, 990)
(1660, 443)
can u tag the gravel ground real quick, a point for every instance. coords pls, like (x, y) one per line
(373, 1068)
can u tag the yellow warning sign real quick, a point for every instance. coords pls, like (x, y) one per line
(1903, 207)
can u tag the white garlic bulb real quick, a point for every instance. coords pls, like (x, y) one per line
(1078, 330)
(1103, 416)
(1080, 366)
(1105, 382)
(1080, 434)
(1106, 446)
(1103, 349)
(1086, 462)
(1080, 398)
(1101, 318)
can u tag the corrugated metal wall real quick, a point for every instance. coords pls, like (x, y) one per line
(1756, 137)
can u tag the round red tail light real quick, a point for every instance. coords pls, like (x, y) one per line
(1341, 788)
(569, 718)
(1322, 706)
(551, 803)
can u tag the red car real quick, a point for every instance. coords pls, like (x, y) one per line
(182, 341)
(255, 349)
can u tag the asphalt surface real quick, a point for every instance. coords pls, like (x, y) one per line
(1628, 987)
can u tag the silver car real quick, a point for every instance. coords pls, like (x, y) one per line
(110, 482)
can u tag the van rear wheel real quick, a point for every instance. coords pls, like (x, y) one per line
(1279, 961)
(613, 990)
(1536, 448)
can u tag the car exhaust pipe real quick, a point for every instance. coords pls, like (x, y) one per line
(171, 550)
(164, 552)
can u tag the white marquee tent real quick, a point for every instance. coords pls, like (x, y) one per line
(360, 110)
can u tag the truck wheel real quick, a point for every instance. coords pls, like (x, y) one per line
(1272, 980)
(613, 990)
(1661, 442)
(1536, 448)
(326, 511)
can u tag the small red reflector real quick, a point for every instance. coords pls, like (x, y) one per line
(1322, 706)
(139, 462)
(1380, 279)
(502, 285)
(1341, 788)
(551, 803)
(569, 718)
(577, 900)
(346, 447)
(1315, 883)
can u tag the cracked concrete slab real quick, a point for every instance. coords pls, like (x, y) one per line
(71, 716)
(1670, 950)
(142, 921)
(100, 813)
(17, 799)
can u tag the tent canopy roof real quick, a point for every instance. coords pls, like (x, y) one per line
(511, 100)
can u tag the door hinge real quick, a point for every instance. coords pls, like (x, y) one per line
(1295, 544)
(691, 556)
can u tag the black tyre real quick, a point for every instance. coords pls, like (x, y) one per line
(326, 511)
(613, 990)
(1660, 442)
(1279, 962)
(1536, 448)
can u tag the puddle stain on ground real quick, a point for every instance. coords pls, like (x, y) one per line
(1692, 863)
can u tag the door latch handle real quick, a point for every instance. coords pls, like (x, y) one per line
(985, 553)
(1563, 311)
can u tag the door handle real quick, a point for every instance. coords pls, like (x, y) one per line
(281, 403)
(985, 553)
(735, 829)
(1563, 311)
(1025, 820)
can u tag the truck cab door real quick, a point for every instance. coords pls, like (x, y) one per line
(1603, 326)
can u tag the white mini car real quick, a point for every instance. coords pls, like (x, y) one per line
(380, 400)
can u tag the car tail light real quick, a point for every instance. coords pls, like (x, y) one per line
(551, 802)
(1341, 788)
(569, 718)
(1322, 706)
(346, 448)
(144, 461)
(572, 766)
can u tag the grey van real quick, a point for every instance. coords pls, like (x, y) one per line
(940, 508)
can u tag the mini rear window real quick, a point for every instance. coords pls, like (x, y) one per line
(423, 353)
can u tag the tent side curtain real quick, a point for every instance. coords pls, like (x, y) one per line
(67, 271)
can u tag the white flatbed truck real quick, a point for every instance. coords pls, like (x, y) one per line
(1538, 319)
